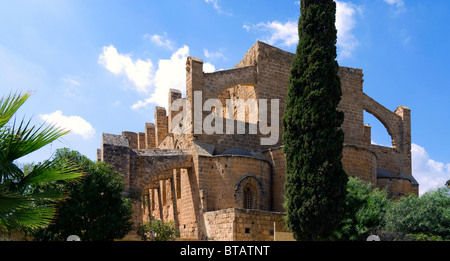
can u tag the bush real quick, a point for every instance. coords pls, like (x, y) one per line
(94, 208)
(369, 211)
(424, 237)
(364, 211)
(427, 216)
(157, 230)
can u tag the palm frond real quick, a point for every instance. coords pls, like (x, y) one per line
(9, 105)
(18, 206)
(24, 140)
(39, 216)
(31, 211)
(10, 201)
(9, 171)
(55, 170)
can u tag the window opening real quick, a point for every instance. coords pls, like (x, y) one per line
(380, 136)
(248, 199)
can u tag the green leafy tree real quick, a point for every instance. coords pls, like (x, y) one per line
(21, 206)
(421, 216)
(313, 140)
(365, 208)
(94, 209)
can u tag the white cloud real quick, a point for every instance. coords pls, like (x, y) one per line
(286, 34)
(171, 74)
(215, 4)
(160, 40)
(139, 72)
(75, 124)
(208, 68)
(345, 23)
(429, 173)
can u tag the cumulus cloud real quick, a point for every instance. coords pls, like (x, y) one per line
(138, 72)
(286, 34)
(171, 74)
(429, 173)
(208, 68)
(154, 82)
(75, 124)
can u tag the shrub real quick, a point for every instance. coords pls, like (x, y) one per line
(94, 208)
(365, 208)
(428, 215)
(157, 230)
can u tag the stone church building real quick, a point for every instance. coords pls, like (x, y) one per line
(227, 185)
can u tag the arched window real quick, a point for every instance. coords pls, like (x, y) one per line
(379, 133)
(248, 192)
(248, 198)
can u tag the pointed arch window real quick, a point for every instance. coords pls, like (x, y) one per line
(248, 198)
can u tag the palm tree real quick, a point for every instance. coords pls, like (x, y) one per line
(23, 202)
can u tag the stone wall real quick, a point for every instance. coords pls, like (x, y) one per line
(360, 162)
(277, 160)
(219, 225)
(115, 151)
(224, 179)
(243, 225)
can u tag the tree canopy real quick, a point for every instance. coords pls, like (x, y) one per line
(94, 209)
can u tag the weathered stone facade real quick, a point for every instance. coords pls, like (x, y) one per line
(230, 186)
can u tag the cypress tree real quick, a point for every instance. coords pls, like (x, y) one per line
(312, 137)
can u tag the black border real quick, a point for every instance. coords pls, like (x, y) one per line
(167, 250)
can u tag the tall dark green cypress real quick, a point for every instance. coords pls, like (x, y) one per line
(312, 137)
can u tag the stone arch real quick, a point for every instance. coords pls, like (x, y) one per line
(158, 167)
(385, 124)
(377, 126)
(388, 118)
(162, 174)
(249, 192)
(217, 82)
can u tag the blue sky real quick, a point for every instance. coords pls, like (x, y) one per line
(102, 66)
